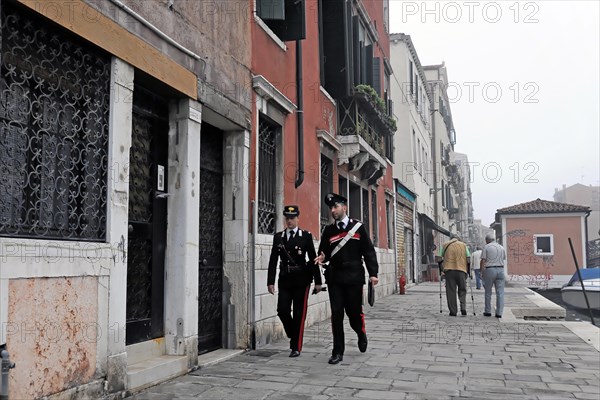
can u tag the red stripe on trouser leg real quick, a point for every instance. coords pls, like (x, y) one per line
(301, 322)
(362, 318)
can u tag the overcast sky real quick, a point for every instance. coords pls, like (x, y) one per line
(524, 94)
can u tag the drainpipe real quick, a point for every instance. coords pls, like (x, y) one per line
(435, 164)
(157, 31)
(300, 115)
(251, 281)
(395, 238)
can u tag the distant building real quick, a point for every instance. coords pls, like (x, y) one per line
(535, 235)
(478, 233)
(463, 214)
(584, 196)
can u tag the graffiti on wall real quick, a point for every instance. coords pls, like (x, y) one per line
(533, 269)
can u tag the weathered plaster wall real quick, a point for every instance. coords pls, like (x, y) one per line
(52, 334)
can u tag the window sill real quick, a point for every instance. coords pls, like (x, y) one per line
(269, 32)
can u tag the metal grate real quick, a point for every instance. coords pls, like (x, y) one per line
(374, 217)
(262, 353)
(54, 104)
(210, 273)
(365, 210)
(266, 172)
(326, 187)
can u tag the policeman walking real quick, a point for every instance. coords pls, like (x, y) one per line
(345, 244)
(291, 247)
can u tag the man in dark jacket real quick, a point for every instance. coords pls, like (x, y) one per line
(345, 274)
(295, 276)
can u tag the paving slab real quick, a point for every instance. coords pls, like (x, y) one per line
(415, 352)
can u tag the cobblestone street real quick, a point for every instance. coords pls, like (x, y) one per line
(415, 352)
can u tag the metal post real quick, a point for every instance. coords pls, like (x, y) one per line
(587, 302)
(6, 367)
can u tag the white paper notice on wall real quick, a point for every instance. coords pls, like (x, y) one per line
(195, 115)
(161, 178)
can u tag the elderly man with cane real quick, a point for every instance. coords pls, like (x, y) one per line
(456, 261)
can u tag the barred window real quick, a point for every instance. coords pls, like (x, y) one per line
(374, 218)
(267, 135)
(389, 216)
(326, 187)
(365, 210)
(54, 102)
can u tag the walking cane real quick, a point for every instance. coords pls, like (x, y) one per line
(472, 299)
(439, 261)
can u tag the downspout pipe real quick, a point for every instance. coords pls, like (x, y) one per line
(435, 165)
(154, 29)
(300, 115)
(252, 280)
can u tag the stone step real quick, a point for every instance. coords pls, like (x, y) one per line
(217, 356)
(145, 350)
(151, 371)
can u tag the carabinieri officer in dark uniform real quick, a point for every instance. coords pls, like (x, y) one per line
(345, 274)
(291, 247)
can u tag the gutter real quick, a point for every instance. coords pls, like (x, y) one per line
(251, 280)
(154, 29)
(300, 115)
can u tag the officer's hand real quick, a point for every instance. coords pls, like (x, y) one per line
(319, 260)
(374, 280)
(271, 289)
(317, 289)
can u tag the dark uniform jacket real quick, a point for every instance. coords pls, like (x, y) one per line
(346, 266)
(300, 272)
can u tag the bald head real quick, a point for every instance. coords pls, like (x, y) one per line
(490, 237)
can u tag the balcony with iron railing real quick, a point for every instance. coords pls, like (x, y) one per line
(365, 114)
(365, 128)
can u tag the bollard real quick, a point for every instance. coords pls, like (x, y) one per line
(6, 367)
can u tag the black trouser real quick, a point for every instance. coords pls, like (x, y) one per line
(293, 325)
(346, 298)
(454, 279)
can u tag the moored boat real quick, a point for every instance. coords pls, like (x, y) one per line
(572, 292)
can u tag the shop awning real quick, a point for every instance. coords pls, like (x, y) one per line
(429, 223)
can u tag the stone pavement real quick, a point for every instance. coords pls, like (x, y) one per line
(415, 352)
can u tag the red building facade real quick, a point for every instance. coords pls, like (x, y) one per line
(322, 122)
(345, 132)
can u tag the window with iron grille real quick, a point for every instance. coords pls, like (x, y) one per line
(326, 187)
(54, 105)
(389, 147)
(389, 217)
(343, 185)
(365, 210)
(374, 218)
(267, 136)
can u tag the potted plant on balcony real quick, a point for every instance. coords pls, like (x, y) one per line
(377, 105)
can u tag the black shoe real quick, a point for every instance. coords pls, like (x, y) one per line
(487, 314)
(463, 312)
(452, 314)
(362, 343)
(498, 316)
(294, 353)
(336, 358)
